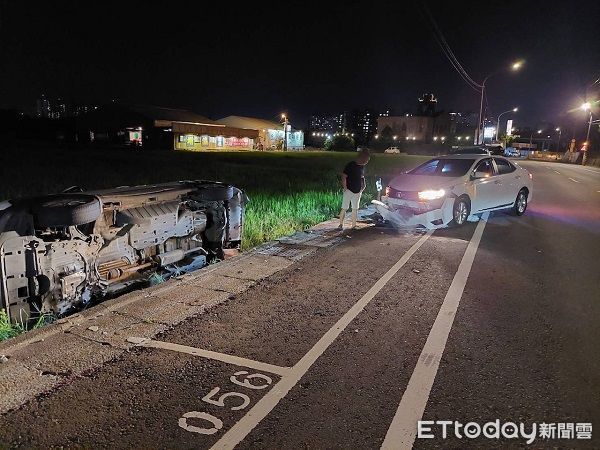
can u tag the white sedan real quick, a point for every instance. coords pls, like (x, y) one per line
(446, 190)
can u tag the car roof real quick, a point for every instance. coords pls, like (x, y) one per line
(462, 156)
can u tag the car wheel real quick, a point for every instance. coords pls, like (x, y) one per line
(520, 205)
(213, 192)
(460, 212)
(65, 210)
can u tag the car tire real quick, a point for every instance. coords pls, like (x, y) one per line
(520, 205)
(460, 212)
(65, 210)
(213, 192)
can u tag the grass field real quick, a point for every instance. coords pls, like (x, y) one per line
(288, 191)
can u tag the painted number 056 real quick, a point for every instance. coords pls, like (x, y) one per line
(235, 400)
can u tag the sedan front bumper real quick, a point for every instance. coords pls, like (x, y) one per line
(408, 214)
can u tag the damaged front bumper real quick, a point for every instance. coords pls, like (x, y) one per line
(410, 214)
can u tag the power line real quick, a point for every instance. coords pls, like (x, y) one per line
(441, 40)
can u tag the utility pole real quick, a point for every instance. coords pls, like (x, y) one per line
(285, 128)
(587, 141)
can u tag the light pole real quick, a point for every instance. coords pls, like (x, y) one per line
(514, 67)
(531, 137)
(587, 106)
(285, 127)
(498, 121)
(559, 134)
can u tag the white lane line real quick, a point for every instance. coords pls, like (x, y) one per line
(266, 404)
(557, 172)
(230, 359)
(573, 179)
(597, 172)
(403, 430)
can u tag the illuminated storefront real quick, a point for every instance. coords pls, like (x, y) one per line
(270, 135)
(197, 137)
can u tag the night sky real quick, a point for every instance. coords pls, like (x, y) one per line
(261, 59)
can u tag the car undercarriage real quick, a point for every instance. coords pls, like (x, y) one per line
(61, 252)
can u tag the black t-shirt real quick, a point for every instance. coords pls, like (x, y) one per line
(355, 173)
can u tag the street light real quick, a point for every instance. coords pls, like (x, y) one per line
(285, 128)
(587, 106)
(531, 137)
(515, 109)
(515, 67)
(559, 134)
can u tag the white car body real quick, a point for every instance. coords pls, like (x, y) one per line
(392, 150)
(429, 200)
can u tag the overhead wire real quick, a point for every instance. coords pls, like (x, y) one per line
(447, 51)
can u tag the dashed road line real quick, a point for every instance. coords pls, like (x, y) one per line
(557, 172)
(402, 432)
(230, 359)
(574, 180)
(597, 172)
(266, 404)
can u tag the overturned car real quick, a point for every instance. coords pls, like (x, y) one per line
(60, 252)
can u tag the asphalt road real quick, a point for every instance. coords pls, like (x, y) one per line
(498, 320)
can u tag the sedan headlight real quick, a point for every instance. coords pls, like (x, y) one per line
(432, 194)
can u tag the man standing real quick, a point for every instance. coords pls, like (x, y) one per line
(353, 182)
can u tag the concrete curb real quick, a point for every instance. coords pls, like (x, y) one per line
(43, 359)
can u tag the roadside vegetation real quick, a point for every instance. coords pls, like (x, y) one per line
(288, 191)
(9, 330)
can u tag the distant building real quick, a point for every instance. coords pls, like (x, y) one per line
(363, 123)
(43, 108)
(58, 108)
(360, 124)
(141, 126)
(326, 123)
(424, 129)
(427, 105)
(270, 134)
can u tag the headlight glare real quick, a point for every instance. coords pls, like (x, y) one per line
(432, 194)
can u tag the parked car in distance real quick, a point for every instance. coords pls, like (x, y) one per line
(60, 252)
(392, 150)
(512, 152)
(445, 191)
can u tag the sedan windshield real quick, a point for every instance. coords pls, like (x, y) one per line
(444, 167)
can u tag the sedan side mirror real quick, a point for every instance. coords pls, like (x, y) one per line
(480, 175)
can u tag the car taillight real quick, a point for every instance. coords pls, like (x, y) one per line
(530, 176)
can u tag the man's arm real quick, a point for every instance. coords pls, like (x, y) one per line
(363, 184)
(344, 180)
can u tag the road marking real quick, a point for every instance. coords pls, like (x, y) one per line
(573, 179)
(230, 359)
(266, 404)
(403, 430)
(590, 170)
(557, 172)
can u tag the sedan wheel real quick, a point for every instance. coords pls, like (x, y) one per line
(460, 212)
(520, 203)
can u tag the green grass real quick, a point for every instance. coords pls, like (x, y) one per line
(288, 191)
(9, 330)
